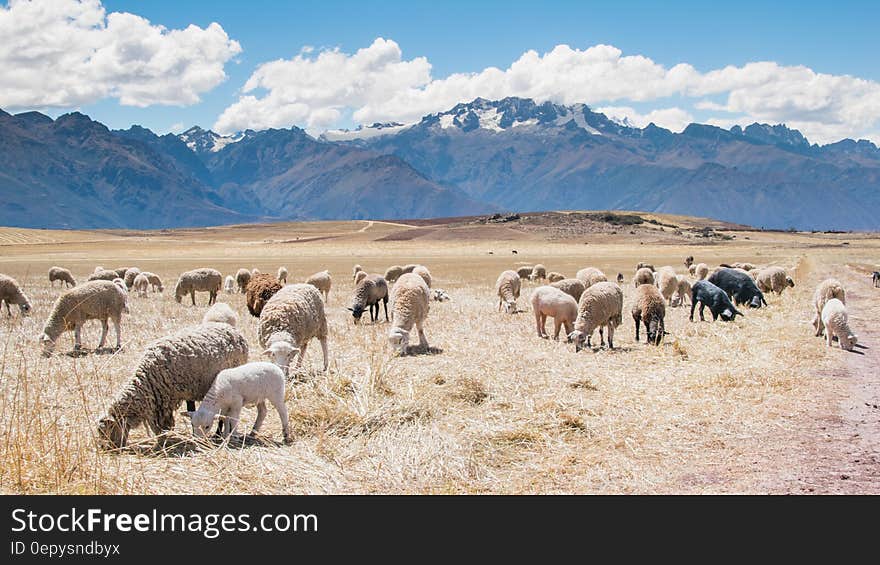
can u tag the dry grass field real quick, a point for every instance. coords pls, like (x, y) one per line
(756, 405)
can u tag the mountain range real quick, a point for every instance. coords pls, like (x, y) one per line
(477, 157)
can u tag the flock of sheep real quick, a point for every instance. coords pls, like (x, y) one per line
(208, 363)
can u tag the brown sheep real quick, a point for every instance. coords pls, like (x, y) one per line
(259, 290)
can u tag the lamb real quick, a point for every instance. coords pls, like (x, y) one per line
(251, 384)
(392, 273)
(322, 281)
(141, 284)
(591, 276)
(368, 293)
(440, 295)
(93, 300)
(707, 294)
(221, 312)
(692, 270)
(201, 280)
(572, 287)
(423, 272)
(539, 272)
(360, 276)
(355, 270)
(684, 290)
(524, 272)
(11, 293)
(701, 271)
(667, 282)
(229, 285)
(643, 276)
(409, 306)
(177, 368)
(104, 275)
(643, 265)
(409, 268)
(836, 322)
(600, 306)
(289, 320)
(553, 276)
(550, 301)
(155, 281)
(282, 275)
(507, 288)
(739, 286)
(242, 278)
(827, 289)
(649, 309)
(259, 291)
(130, 275)
(773, 279)
(61, 274)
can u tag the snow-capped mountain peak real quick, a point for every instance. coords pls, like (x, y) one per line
(203, 141)
(363, 132)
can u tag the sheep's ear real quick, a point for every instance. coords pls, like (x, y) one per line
(350, 309)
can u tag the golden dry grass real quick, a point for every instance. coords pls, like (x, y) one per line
(493, 409)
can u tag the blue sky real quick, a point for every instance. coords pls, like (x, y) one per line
(463, 37)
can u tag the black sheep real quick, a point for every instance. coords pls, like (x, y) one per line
(707, 294)
(740, 286)
(876, 278)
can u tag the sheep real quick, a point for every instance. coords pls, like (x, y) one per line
(259, 291)
(242, 278)
(221, 312)
(423, 272)
(650, 309)
(440, 295)
(507, 288)
(739, 286)
(539, 272)
(121, 284)
(255, 271)
(141, 284)
(130, 275)
(11, 293)
(322, 281)
(550, 301)
(667, 283)
(120, 272)
(392, 273)
(251, 384)
(875, 278)
(744, 266)
(683, 291)
(591, 276)
(825, 291)
(707, 294)
(643, 276)
(553, 277)
(61, 274)
(409, 268)
(409, 306)
(229, 285)
(643, 265)
(201, 280)
(836, 322)
(524, 272)
(98, 269)
(572, 287)
(104, 275)
(773, 279)
(355, 270)
(282, 275)
(155, 282)
(688, 261)
(701, 271)
(289, 320)
(360, 276)
(368, 293)
(93, 300)
(600, 306)
(692, 270)
(619, 278)
(176, 368)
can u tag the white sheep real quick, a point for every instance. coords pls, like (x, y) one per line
(289, 320)
(155, 281)
(507, 289)
(201, 280)
(649, 309)
(423, 272)
(701, 271)
(355, 270)
(773, 279)
(322, 281)
(61, 274)
(825, 291)
(105, 275)
(242, 278)
(141, 285)
(229, 284)
(282, 275)
(11, 293)
(590, 276)
(409, 307)
(251, 384)
(601, 306)
(93, 300)
(667, 283)
(130, 275)
(684, 290)
(221, 312)
(836, 322)
(572, 287)
(121, 284)
(361, 275)
(539, 272)
(552, 302)
(392, 273)
(644, 275)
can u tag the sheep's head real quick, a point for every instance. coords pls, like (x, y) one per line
(48, 344)
(510, 306)
(202, 422)
(399, 339)
(112, 432)
(281, 353)
(849, 342)
(789, 281)
(730, 314)
(357, 311)
(579, 338)
(757, 300)
(25, 306)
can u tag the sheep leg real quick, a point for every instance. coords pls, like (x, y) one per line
(302, 355)
(693, 305)
(557, 323)
(192, 295)
(325, 352)
(385, 303)
(8, 311)
(702, 319)
(539, 323)
(117, 324)
(261, 415)
(212, 298)
(281, 408)
(104, 328)
(610, 337)
(77, 337)
(232, 415)
(602, 336)
(817, 323)
(638, 320)
(423, 341)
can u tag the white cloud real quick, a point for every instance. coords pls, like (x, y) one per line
(674, 119)
(65, 53)
(317, 89)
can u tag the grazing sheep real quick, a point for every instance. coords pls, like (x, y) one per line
(825, 291)
(322, 281)
(229, 284)
(61, 274)
(550, 301)
(242, 278)
(600, 306)
(507, 289)
(619, 278)
(524, 272)
(176, 368)
(368, 293)
(409, 268)
(259, 291)
(739, 286)
(198, 280)
(282, 275)
(423, 272)
(875, 278)
(707, 294)
(409, 306)
(141, 285)
(667, 282)
(701, 271)
(440, 295)
(11, 293)
(649, 309)
(692, 270)
(572, 287)
(643, 265)
(121, 284)
(539, 272)
(355, 270)
(93, 300)
(251, 384)
(773, 279)
(591, 276)
(289, 320)
(836, 322)
(553, 277)
(120, 272)
(360, 276)
(221, 313)
(104, 275)
(392, 273)
(684, 290)
(643, 276)
(688, 261)
(130, 275)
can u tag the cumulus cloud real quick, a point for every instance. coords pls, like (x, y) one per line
(318, 88)
(65, 53)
